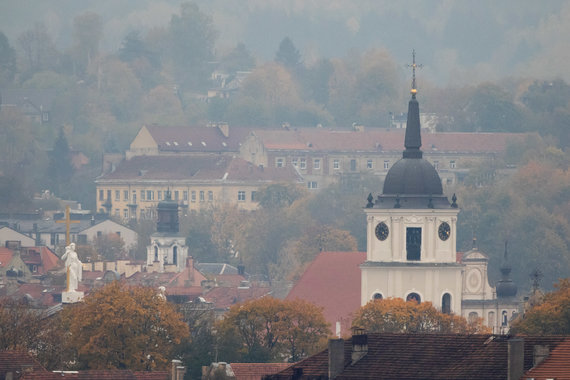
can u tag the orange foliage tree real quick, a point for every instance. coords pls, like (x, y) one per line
(269, 329)
(551, 317)
(119, 327)
(394, 315)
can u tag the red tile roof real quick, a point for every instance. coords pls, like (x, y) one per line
(415, 356)
(17, 362)
(376, 140)
(225, 297)
(99, 374)
(256, 371)
(5, 256)
(198, 168)
(332, 281)
(555, 366)
(213, 139)
(42, 294)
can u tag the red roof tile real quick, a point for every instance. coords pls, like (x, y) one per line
(332, 281)
(17, 362)
(5, 256)
(375, 140)
(256, 371)
(427, 356)
(98, 374)
(213, 139)
(224, 298)
(555, 366)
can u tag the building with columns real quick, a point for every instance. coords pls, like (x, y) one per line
(411, 243)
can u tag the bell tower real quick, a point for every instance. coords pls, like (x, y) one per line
(411, 230)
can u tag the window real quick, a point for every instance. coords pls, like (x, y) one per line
(126, 213)
(176, 195)
(155, 253)
(353, 165)
(117, 212)
(386, 164)
(134, 197)
(472, 318)
(108, 195)
(254, 196)
(201, 195)
(414, 297)
(312, 184)
(210, 196)
(317, 163)
(446, 303)
(377, 296)
(149, 195)
(279, 162)
(82, 239)
(336, 164)
(491, 319)
(101, 195)
(143, 195)
(193, 196)
(295, 162)
(175, 255)
(413, 243)
(117, 195)
(452, 164)
(504, 318)
(369, 164)
(241, 196)
(436, 165)
(303, 164)
(185, 195)
(126, 195)
(159, 195)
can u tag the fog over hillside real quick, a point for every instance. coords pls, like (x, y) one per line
(457, 41)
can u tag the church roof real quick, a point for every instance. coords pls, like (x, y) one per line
(332, 281)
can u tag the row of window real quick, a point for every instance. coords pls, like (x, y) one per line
(149, 195)
(302, 163)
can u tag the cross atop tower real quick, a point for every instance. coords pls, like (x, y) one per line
(414, 90)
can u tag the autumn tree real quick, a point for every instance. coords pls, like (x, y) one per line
(551, 317)
(288, 55)
(87, 33)
(269, 329)
(110, 246)
(394, 315)
(120, 327)
(38, 51)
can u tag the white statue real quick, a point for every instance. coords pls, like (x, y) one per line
(73, 267)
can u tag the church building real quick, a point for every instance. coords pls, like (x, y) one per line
(411, 243)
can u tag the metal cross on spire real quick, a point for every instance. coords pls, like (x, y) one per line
(414, 89)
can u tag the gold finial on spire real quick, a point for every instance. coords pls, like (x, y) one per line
(414, 89)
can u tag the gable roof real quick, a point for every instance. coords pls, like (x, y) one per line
(383, 140)
(17, 362)
(332, 281)
(196, 168)
(197, 139)
(555, 366)
(423, 356)
(39, 99)
(256, 371)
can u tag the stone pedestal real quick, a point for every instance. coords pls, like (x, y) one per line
(72, 297)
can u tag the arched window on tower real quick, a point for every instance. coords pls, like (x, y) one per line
(155, 253)
(505, 318)
(472, 318)
(175, 255)
(377, 296)
(491, 318)
(446, 303)
(414, 297)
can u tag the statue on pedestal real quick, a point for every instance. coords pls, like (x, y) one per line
(73, 268)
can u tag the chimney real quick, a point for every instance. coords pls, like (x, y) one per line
(92, 220)
(515, 358)
(174, 370)
(225, 129)
(359, 344)
(539, 354)
(336, 357)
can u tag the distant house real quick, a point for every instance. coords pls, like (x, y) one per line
(36, 104)
(424, 356)
(9, 234)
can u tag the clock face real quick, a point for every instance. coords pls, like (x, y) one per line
(382, 231)
(444, 231)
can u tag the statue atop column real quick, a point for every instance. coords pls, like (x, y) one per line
(74, 274)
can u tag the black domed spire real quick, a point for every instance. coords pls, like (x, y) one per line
(413, 140)
(505, 286)
(167, 211)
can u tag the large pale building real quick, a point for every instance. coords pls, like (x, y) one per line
(411, 243)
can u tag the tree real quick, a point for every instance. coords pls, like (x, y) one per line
(238, 59)
(60, 169)
(120, 327)
(38, 50)
(288, 55)
(87, 33)
(269, 329)
(279, 195)
(110, 246)
(551, 317)
(7, 61)
(394, 315)
(192, 37)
